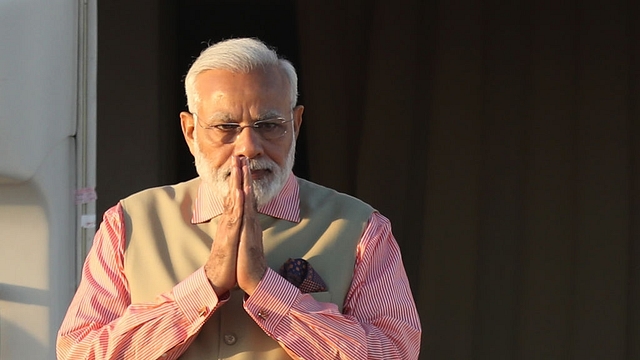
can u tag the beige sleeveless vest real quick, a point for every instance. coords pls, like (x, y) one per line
(163, 248)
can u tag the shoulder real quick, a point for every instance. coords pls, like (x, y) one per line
(152, 206)
(174, 192)
(316, 196)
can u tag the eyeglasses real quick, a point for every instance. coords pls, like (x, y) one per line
(268, 129)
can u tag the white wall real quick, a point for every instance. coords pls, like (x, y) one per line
(43, 98)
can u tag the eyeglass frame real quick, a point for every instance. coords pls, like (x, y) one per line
(237, 128)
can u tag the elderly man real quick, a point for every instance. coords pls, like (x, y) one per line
(246, 261)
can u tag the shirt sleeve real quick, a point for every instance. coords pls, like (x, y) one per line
(379, 318)
(101, 322)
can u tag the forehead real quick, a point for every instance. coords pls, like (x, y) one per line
(241, 94)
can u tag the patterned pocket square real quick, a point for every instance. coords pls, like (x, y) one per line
(300, 273)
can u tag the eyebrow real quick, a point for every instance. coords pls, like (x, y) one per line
(271, 114)
(223, 118)
(220, 117)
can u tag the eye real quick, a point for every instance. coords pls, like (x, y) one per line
(228, 127)
(266, 125)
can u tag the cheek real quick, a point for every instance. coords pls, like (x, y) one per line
(216, 155)
(278, 152)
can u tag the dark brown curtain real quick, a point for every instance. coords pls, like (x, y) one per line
(503, 141)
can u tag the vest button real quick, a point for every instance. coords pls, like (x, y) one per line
(229, 339)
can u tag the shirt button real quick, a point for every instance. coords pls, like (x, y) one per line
(164, 355)
(229, 339)
(203, 311)
(262, 314)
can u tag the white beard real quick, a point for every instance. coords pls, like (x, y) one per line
(264, 189)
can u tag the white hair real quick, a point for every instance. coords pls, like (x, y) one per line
(241, 55)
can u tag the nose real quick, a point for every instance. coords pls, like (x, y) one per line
(248, 143)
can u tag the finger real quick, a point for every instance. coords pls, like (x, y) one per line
(236, 166)
(250, 206)
(251, 261)
(251, 236)
(230, 224)
(235, 196)
(251, 232)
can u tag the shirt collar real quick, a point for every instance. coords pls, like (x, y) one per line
(285, 205)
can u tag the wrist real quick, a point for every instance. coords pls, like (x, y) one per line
(251, 285)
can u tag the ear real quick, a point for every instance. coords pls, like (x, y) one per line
(297, 119)
(188, 127)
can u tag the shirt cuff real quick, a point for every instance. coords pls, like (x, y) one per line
(196, 298)
(271, 301)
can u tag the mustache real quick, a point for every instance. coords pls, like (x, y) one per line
(254, 165)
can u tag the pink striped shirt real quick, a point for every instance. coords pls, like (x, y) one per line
(379, 318)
